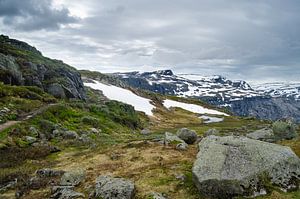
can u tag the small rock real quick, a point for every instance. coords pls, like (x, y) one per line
(94, 130)
(65, 192)
(145, 132)
(172, 139)
(156, 195)
(182, 146)
(189, 136)
(108, 187)
(70, 135)
(49, 173)
(72, 178)
(180, 177)
(30, 139)
(33, 131)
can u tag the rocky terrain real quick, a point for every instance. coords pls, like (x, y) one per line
(94, 136)
(22, 64)
(267, 101)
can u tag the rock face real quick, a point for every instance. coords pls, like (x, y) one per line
(114, 188)
(189, 136)
(52, 76)
(232, 166)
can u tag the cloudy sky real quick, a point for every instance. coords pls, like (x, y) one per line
(253, 40)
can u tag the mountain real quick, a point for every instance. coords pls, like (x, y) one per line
(269, 102)
(22, 64)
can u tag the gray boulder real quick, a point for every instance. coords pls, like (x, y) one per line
(238, 166)
(70, 135)
(189, 136)
(182, 146)
(42, 173)
(72, 178)
(170, 138)
(30, 140)
(145, 132)
(108, 187)
(65, 192)
(264, 134)
(211, 132)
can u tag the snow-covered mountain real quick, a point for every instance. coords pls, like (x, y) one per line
(280, 89)
(266, 101)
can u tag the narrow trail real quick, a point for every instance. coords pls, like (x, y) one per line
(24, 117)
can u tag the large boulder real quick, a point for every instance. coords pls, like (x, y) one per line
(108, 187)
(231, 166)
(264, 134)
(189, 136)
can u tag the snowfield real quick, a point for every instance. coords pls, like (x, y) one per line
(209, 119)
(192, 107)
(123, 95)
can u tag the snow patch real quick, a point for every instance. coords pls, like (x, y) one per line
(209, 119)
(192, 107)
(123, 95)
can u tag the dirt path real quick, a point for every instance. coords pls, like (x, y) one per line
(24, 117)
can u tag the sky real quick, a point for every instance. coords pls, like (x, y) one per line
(253, 40)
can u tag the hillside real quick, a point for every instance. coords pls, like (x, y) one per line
(102, 138)
(22, 64)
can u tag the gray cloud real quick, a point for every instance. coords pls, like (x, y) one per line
(28, 15)
(254, 40)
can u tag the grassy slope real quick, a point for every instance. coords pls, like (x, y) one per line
(121, 152)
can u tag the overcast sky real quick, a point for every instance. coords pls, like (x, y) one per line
(253, 40)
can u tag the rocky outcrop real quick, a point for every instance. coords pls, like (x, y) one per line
(233, 166)
(22, 64)
(108, 187)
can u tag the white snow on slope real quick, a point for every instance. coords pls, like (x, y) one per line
(209, 119)
(123, 95)
(192, 107)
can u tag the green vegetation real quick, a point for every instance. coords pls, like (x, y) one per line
(284, 130)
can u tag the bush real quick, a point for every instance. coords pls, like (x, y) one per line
(284, 130)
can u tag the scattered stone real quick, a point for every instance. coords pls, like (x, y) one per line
(72, 178)
(145, 132)
(33, 131)
(238, 166)
(108, 187)
(49, 173)
(30, 140)
(180, 177)
(7, 186)
(156, 195)
(70, 135)
(85, 139)
(94, 130)
(182, 146)
(170, 138)
(211, 132)
(65, 192)
(187, 135)
(264, 134)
